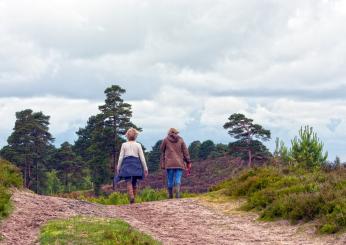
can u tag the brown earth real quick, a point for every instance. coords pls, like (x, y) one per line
(182, 221)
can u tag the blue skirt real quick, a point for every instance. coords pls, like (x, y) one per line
(130, 167)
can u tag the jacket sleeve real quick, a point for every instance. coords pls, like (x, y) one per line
(121, 157)
(162, 153)
(142, 157)
(185, 153)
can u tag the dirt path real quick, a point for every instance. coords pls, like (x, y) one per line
(184, 221)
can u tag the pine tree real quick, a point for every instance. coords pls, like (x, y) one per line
(117, 119)
(194, 149)
(154, 157)
(99, 142)
(28, 146)
(307, 150)
(70, 167)
(206, 148)
(243, 128)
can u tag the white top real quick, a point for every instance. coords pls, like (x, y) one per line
(132, 148)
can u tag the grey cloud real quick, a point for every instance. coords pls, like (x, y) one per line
(337, 93)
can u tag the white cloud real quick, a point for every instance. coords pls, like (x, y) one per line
(65, 114)
(187, 64)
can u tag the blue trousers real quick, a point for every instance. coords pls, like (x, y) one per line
(174, 177)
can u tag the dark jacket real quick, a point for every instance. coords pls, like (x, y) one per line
(174, 153)
(131, 167)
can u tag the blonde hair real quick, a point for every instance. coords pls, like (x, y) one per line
(131, 134)
(173, 130)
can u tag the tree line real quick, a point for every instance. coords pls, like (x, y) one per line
(90, 162)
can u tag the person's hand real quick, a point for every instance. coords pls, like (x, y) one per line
(188, 166)
(146, 173)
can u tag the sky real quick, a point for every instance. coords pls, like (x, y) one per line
(184, 64)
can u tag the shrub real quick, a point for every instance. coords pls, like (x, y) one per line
(293, 193)
(10, 176)
(307, 150)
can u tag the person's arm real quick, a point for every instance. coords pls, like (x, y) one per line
(141, 156)
(162, 154)
(121, 157)
(185, 153)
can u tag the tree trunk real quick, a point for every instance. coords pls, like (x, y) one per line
(250, 158)
(36, 177)
(29, 176)
(114, 166)
(249, 150)
(25, 173)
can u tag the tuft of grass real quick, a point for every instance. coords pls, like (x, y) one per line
(293, 193)
(10, 176)
(93, 231)
(119, 198)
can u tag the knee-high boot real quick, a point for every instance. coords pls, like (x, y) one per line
(130, 192)
(134, 191)
(170, 192)
(177, 191)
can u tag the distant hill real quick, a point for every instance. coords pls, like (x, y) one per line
(204, 174)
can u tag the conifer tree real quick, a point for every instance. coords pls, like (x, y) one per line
(243, 128)
(28, 146)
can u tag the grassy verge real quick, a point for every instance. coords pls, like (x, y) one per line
(118, 198)
(82, 230)
(9, 177)
(293, 193)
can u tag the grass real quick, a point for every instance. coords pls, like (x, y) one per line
(86, 230)
(292, 193)
(10, 176)
(119, 198)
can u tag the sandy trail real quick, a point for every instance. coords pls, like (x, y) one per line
(184, 221)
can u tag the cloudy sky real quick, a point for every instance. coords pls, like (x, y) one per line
(186, 64)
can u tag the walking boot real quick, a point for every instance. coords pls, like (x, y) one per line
(177, 191)
(170, 193)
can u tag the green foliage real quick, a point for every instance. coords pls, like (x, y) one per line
(87, 230)
(282, 153)
(5, 206)
(243, 129)
(99, 142)
(293, 193)
(119, 198)
(53, 183)
(194, 149)
(154, 157)
(148, 195)
(71, 170)
(10, 176)
(239, 148)
(205, 149)
(307, 150)
(28, 146)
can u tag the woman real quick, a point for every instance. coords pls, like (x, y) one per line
(131, 165)
(174, 155)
